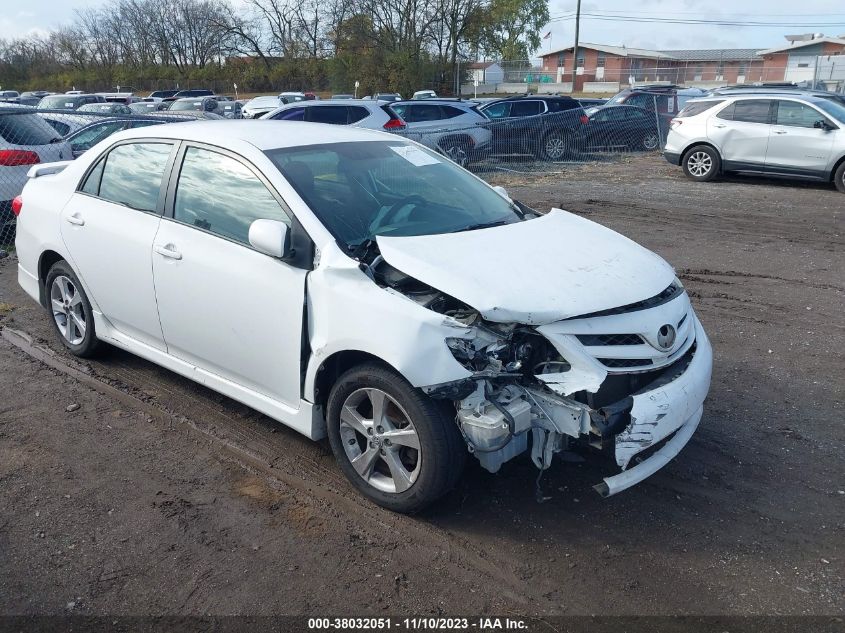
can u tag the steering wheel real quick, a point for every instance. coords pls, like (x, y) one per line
(414, 199)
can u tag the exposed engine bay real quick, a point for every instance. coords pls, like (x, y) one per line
(574, 380)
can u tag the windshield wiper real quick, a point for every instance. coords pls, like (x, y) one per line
(360, 250)
(482, 225)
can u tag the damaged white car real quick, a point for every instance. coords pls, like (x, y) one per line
(354, 284)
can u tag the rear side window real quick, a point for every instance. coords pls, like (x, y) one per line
(357, 113)
(222, 211)
(750, 111)
(525, 108)
(133, 173)
(562, 105)
(697, 108)
(26, 129)
(795, 114)
(448, 112)
(334, 115)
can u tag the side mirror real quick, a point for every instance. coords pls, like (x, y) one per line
(821, 124)
(270, 237)
(502, 192)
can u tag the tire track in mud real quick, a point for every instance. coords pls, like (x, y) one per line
(287, 462)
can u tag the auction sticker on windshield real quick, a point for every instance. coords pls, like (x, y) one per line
(414, 155)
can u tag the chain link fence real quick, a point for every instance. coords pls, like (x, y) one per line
(540, 142)
(30, 136)
(507, 141)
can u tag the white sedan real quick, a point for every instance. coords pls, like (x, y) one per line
(354, 284)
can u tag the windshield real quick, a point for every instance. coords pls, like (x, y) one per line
(835, 110)
(362, 189)
(263, 101)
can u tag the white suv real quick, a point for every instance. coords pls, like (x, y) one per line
(364, 113)
(777, 134)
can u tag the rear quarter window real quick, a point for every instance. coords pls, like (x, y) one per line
(692, 109)
(26, 129)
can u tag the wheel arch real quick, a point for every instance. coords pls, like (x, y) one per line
(45, 262)
(332, 367)
(690, 146)
(836, 165)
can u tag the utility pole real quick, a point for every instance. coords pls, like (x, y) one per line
(575, 48)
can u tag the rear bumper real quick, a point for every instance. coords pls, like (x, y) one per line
(673, 158)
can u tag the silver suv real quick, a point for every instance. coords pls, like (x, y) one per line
(781, 135)
(364, 113)
(455, 128)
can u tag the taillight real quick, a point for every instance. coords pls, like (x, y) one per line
(585, 119)
(394, 125)
(17, 205)
(18, 157)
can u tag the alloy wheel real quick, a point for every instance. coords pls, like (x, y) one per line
(380, 440)
(555, 147)
(651, 142)
(699, 164)
(68, 311)
(456, 154)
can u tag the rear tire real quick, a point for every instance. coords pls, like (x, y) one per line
(839, 177)
(650, 142)
(70, 311)
(555, 146)
(702, 163)
(403, 459)
(456, 150)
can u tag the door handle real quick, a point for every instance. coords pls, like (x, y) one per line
(168, 250)
(719, 125)
(780, 131)
(75, 219)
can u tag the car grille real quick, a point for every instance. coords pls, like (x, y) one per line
(610, 339)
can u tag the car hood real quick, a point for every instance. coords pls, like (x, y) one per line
(535, 272)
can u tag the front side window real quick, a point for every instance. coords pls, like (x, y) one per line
(292, 114)
(132, 175)
(362, 189)
(795, 114)
(87, 138)
(497, 110)
(221, 195)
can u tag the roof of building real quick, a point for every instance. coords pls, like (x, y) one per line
(802, 44)
(622, 51)
(481, 65)
(713, 54)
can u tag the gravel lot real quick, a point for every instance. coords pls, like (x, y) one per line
(129, 490)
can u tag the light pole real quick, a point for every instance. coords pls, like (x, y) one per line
(575, 48)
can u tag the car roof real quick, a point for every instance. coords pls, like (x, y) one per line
(344, 102)
(264, 135)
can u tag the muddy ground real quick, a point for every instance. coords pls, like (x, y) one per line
(157, 496)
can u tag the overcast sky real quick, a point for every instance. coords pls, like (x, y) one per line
(20, 18)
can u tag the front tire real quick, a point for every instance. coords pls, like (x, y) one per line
(70, 310)
(702, 163)
(839, 177)
(398, 447)
(456, 150)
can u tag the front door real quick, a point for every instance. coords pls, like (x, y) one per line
(108, 227)
(223, 306)
(795, 142)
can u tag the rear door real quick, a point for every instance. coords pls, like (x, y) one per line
(795, 142)
(741, 132)
(108, 227)
(331, 114)
(224, 307)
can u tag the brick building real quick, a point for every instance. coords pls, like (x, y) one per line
(601, 66)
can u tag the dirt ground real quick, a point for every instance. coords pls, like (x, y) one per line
(156, 496)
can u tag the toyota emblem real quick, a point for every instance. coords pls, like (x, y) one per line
(666, 336)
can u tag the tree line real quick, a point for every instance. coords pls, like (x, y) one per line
(267, 45)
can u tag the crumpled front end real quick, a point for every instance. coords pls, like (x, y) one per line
(631, 379)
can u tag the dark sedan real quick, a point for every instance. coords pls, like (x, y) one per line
(617, 127)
